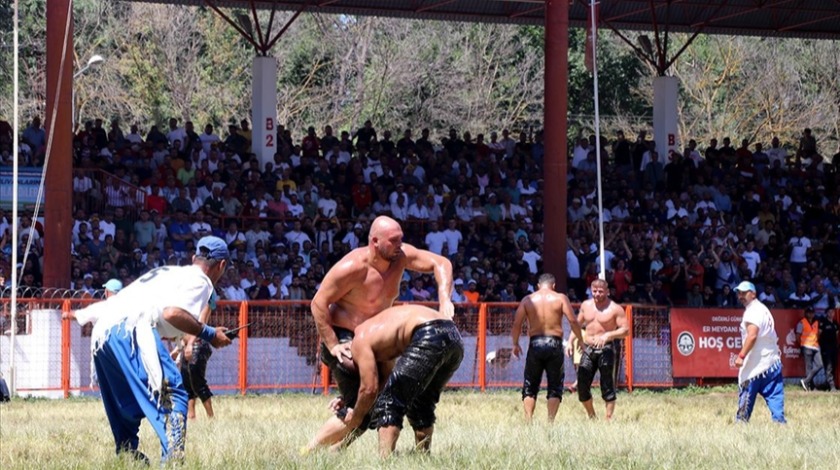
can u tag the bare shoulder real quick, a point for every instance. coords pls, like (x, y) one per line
(587, 304)
(411, 252)
(351, 265)
(562, 297)
(617, 307)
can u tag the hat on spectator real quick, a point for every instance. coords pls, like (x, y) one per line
(358, 226)
(113, 285)
(472, 281)
(459, 282)
(473, 259)
(212, 248)
(88, 276)
(745, 286)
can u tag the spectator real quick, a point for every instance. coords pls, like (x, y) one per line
(472, 293)
(807, 331)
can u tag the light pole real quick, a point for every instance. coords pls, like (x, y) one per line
(95, 59)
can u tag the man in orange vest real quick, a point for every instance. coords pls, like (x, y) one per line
(808, 333)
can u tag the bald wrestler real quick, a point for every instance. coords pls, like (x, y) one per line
(363, 283)
(544, 310)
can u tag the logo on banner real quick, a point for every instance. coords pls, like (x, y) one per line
(685, 343)
(790, 339)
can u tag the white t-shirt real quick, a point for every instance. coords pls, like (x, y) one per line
(753, 259)
(207, 140)
(765, 354)
(327, 207)
(435, 241)
(177, 134)
(800, 249)
(572, 265)
(144, 300)
(453, 239)
(531, 257)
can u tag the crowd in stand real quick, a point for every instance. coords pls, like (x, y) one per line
(681, 229)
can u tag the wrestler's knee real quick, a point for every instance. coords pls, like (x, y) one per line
(555, 392)
(530, 389)
(422, 419)
(584, 391)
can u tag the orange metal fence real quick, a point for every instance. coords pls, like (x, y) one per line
(279, 351)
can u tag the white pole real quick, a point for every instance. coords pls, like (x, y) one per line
(15, 225)
(603, 273)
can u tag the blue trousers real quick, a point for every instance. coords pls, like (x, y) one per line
(770, 386)
(125, 393)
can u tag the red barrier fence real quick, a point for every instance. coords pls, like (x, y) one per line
(279, 351)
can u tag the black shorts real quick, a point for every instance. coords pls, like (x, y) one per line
(194, 372)
(603, 360)
(413, 388)
(545, 353)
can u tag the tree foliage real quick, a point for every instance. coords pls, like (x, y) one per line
(188, 63)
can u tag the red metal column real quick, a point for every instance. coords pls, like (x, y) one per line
(59, 181)
(243, 349)
(556, 158)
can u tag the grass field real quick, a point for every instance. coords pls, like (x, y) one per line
(674, 429)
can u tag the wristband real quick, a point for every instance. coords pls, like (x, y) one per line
(207, 333)
(742, 355)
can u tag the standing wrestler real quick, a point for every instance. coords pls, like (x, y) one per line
(431, 350)
(605, 323)
(197, 353)
(363, 283)
(544, 310)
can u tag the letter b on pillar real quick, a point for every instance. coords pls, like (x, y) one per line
(264, 109)
(665, 116)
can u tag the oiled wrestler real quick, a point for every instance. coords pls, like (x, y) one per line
(606, 324)
(544, 310)
(430, 350)
(359, 286)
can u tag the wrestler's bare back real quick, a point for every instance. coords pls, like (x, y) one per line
(545, 310)
(389, 333)
(370, 291)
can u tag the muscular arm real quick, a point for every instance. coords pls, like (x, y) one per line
(518, 319)
(369, 380)
(336, 284)
(570, 315)
(621, 328)
(427, 262)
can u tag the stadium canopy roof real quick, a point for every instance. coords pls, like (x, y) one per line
(818, 19)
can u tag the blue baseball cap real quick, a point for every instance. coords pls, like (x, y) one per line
(113, 285)
(212, 248)
(746, 286)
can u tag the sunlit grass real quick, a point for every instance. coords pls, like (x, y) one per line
(676, 429)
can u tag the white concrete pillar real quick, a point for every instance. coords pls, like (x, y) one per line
(264, 109)
(665, 116)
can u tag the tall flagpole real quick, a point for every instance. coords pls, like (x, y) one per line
(15, 224)
(594, 35)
